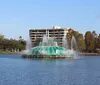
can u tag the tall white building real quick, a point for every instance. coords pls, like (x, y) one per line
(56, 32)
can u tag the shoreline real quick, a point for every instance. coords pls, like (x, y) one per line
(80, 54)
(89, 54)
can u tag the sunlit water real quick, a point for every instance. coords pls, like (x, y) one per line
(15, 70)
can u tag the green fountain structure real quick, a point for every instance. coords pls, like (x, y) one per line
(49, 48)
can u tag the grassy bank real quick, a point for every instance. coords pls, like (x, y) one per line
(9, 52)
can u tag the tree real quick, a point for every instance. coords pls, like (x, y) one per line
(22, 44)
(20, 37)
(81, 42)
(1, 41)
(5, 44)
(95, 40)
(94, 34)
(1, 36)
(12, 44)
(90, 41)
(98, 44)
(75, 34)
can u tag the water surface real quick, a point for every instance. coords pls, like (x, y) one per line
(15, 70)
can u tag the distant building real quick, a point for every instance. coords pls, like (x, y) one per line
(56, 32)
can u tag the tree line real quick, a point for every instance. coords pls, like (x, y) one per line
(12, 45)
(90, 42)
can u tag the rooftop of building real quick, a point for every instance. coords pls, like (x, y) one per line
(54, 28)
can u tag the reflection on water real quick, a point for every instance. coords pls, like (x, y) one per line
(15, 70)
(57, 61)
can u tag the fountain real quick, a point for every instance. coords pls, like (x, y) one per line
(49, 48)
(28, 47)
(65, 43)
(74, 45)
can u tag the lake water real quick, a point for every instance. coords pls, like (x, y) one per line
(15, 70)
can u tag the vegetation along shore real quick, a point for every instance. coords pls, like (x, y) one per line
(88, 44)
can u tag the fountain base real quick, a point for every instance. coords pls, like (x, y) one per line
(48, 57)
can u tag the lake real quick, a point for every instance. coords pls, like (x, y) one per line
(15, 70)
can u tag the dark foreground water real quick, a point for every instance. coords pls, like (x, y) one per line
(17, 71)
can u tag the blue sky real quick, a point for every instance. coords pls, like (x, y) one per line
(18, 16)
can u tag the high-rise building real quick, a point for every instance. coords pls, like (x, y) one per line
(36, 35)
